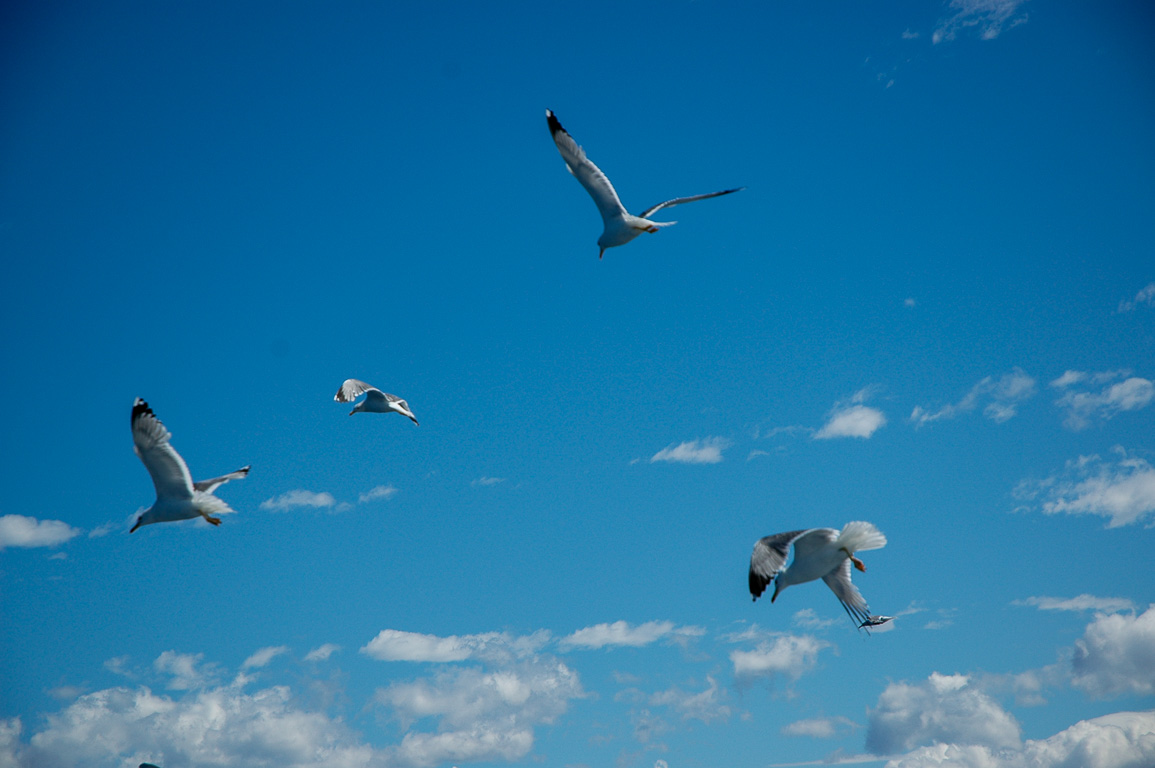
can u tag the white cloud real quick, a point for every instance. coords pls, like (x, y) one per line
(186, 670)
(708, 451)
(396, 645)
(379, 492)
(299, 498)
(808, 618)
(483, 713)
(943, 709)
(1145, 296)
(1079, 603)
(487, 481)
(619, 633)
(852, 418)
(821, 728)
(218, 726)
(262, 657)
(1122, 491)
(706, 705)
(21, 531)
(1116, 656)
(322, 652)
(1084, 406)
(788, 655)
(1000, 399)
(852, 421)
(1118, 740)
(990, 17)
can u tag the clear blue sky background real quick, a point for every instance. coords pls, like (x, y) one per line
(933, 308)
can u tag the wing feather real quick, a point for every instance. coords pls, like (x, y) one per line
(679, 200)
(208, 486)
(150, 441)
(583, 169)
(351, 389)
(768, 558)
(843, 588)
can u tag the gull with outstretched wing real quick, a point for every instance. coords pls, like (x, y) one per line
(375, 400)
(177, 496)
(620, 227)
(819, 553)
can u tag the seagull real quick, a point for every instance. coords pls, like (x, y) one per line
(375, 400)
(177, 496)
(818, 553)
(620, 227)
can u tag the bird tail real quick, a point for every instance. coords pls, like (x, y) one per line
(858, 536)
(208, 504)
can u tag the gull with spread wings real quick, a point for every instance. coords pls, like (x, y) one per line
(177, 496)
(375, 400)
(620, 227)
(819, 553)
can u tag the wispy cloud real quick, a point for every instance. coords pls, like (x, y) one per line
(262, 657)
(621, 633)
(706, 705)
(821, 727)
(487, 481)
(186, 670)
(299, 498)
(1000, 398)
(322, 652)
(1146, 296)
(787, 655)
(852, 418)
(397, 645)
(21, 531)
(1085, 405)
(1123, 491)
(1079, 603)
(707, 451)
(988, 17)
(379, 492)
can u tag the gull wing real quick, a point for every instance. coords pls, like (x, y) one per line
(770, 553)
(583, 169)
(679, 200)
(208, 486)
(839, 582)
(351, 389)
(150, 439)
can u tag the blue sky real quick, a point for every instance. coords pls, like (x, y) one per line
(932, 308)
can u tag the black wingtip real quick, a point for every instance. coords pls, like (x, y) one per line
(554, 125)
(140, 408)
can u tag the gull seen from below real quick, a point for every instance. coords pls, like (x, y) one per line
(819, 553)
(375, 400)
(620, 226)
(177, 496)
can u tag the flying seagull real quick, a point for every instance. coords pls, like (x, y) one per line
(819, 553)
(620, 227)
(177, 496)
(375, 400)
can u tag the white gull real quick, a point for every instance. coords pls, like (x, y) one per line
(620, 226)
(177, 496)
(819, 553)
(375, 400)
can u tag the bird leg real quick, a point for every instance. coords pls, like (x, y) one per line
(211, 519)
(857, 563)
